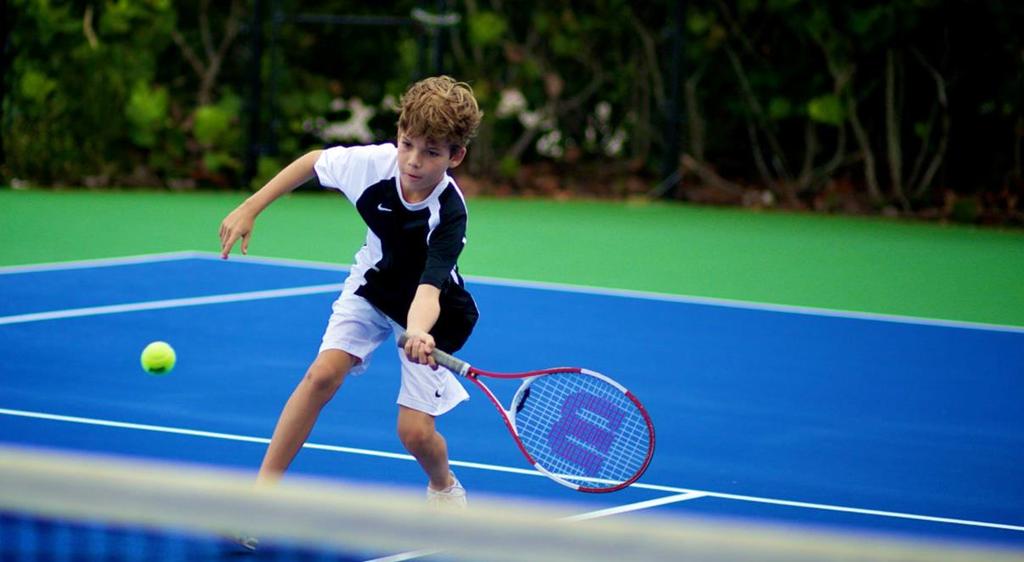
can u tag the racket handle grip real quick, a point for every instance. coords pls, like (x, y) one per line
(454, 364)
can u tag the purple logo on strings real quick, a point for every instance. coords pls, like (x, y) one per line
(579, 436)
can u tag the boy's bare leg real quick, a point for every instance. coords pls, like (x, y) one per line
(317, 387)
(420, 437)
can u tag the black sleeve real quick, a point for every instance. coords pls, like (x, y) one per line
(445, 245)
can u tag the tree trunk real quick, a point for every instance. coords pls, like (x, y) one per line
(892, 129)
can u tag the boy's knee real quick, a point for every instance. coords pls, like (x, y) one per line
(415, 437)
(328, 371)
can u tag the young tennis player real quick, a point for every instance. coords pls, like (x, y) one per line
(405, 276)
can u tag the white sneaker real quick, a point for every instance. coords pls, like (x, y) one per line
(453, 496)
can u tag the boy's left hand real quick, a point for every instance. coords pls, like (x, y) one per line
(418, 347)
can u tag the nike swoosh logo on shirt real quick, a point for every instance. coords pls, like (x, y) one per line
(381, 207)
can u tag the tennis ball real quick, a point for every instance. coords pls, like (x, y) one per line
(158, 358)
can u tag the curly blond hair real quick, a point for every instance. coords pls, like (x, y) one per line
(441, 109)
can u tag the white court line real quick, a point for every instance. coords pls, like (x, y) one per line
(287, 262)
(403, 556)
(496, 468)
(634, 507)
(415, 554)
(668, 297)
(170, 303)
(862, 511)
(750, 305)
(100, 262)
(543, 285)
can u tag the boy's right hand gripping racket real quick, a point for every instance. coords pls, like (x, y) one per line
(578, 427)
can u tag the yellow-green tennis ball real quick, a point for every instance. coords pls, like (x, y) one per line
(158, 358)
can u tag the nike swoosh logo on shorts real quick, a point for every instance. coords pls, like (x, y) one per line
(381, 207)
(437, 393)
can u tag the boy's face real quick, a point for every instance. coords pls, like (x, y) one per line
(423, 162)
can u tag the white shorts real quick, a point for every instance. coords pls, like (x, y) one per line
(358, 328)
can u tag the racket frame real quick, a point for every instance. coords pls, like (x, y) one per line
(465, 370)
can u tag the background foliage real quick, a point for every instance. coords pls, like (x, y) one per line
(905, 107)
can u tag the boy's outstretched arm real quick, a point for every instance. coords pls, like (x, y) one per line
(423, 314)
(239, 222)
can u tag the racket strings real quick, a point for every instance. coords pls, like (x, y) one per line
(583, 429)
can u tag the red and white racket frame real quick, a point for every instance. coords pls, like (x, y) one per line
(465, 370)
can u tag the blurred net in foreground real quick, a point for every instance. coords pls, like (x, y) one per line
(82, 508)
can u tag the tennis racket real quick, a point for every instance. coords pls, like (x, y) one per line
(576, 426)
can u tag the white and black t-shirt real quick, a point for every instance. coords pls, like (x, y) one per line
(407, 244)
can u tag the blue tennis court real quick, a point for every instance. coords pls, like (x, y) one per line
(888, 424)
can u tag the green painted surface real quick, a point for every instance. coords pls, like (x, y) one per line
(848, 263)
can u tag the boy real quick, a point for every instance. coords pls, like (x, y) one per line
(404, 276)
